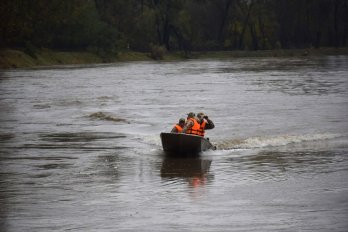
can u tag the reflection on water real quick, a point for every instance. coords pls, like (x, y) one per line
(193, 170)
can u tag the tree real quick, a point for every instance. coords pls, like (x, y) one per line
(112, 25)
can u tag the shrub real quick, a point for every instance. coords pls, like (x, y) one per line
(158, 52)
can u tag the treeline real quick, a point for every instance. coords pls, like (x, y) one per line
(108, 26)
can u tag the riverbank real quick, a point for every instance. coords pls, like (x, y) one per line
(12, 59)
(273, 53)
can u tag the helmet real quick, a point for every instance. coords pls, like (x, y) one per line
(200, 115)
(181, 120)
(191, 115)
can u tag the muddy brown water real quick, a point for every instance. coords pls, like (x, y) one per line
(80, 147)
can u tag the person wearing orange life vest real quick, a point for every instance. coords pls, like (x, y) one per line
(197, 126)
(205, 122)
(179, 126)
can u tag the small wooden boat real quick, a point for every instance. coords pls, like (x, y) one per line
(185, 143)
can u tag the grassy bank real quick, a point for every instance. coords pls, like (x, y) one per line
(10, 59)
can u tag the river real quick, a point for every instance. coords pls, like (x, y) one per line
(80, 147)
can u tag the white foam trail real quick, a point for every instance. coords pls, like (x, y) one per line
(272, 141)
(153, 140)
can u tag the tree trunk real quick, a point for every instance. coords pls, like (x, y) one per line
(221, 35)
(245, 24)
(336, 43)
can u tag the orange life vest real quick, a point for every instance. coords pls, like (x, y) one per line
(196, 129)
(179, 128)
(203, 126)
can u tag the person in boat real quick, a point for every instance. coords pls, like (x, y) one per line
(197, 125)
(179, 126)
(205, 121)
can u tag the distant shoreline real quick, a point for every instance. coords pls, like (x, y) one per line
(13, 59)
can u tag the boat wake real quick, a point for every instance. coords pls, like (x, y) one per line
(258, 141)
(271, 141)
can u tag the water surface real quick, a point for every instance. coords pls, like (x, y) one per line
(80, 147)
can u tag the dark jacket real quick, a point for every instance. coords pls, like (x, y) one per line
(209, 125)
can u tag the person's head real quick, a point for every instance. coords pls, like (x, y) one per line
(191, 115)
(200, 115)
(181, 122)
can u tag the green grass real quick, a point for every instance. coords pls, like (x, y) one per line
(131, 56)
(44, 57)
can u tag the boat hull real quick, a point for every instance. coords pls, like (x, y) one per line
(185, 143)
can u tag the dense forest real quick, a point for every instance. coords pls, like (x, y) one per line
(109, 26)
